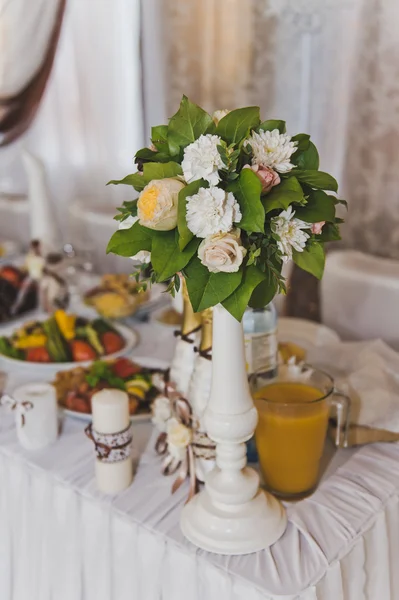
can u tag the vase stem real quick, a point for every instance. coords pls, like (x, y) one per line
(231, 515)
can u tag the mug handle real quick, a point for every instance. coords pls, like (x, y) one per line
(342, 403)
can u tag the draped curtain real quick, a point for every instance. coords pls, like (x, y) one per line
(330, 67)
(28, 41)
(90, 121)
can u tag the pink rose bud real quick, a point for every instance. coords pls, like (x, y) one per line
(266, 176)
(317, 227)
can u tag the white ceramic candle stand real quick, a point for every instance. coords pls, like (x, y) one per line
(231, 515)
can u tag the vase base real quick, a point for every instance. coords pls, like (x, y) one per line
(233, 529)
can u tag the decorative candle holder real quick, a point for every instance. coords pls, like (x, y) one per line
(231, 515)
(111, 433)
(184, 357)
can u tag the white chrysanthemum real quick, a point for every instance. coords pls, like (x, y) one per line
(202, 160)
(143, 256)
(212, 210)
(290, 233)
(272, 149)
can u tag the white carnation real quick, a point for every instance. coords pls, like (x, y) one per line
(212, 210)
(290, 233)
(272, 149)
(161, 412)
(202, 160)
(143, 256)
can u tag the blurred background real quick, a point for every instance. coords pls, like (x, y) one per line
(82, 82)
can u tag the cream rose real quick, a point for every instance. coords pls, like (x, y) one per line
(178, 438)
(157, 204)
(222, 252)
(219, 114)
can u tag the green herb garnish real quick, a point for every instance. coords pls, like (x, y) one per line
(101, 371)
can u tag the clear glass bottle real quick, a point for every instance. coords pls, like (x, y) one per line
(260, 336)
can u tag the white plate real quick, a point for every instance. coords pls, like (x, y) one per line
(130, 335)
(151, 363)
(307, 334)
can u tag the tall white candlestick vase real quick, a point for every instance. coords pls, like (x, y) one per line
(231, 515)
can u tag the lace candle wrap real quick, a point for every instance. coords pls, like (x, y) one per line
(111, 434)
(35, 407)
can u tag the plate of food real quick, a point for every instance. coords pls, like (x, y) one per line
(66, 339)
(76, 386)
(117, 296)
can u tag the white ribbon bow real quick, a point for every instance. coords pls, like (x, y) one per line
(21, 408)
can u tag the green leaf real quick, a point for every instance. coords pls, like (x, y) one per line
(337, 201)
(185, 234)
(148, 155)
(127, 242)
(237, 302)
(264, 293)
(166, 257)
(317, 179)
(320, 207)
(207, 289)
(284, 194)
(303, 140)
(236, 125)
(187, 125)
(160, 171)
(159, 137)
(312, 259)
(306, 159)
(247, 190)
(330, 233)
(136, 180)
(272, 124)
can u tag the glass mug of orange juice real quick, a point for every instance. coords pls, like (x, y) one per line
(294, 409)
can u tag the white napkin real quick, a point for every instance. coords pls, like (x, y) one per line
(368, 372)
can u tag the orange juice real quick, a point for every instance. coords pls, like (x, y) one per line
(290, 435)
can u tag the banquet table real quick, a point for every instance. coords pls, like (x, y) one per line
(61, 539)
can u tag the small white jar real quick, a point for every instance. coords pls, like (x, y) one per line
(36, 415)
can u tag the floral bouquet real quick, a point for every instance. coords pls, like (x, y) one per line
(224, 201)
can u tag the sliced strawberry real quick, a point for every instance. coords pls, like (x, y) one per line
(38, 355)
(125, 368)
(112, 342)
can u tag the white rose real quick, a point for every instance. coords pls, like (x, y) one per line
(143, 256)
(219, 114)
(222, 252)
(161, 412)
(178, 438)
(157, 204)
(212, 210)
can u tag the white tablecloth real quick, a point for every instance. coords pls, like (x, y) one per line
(60, 539)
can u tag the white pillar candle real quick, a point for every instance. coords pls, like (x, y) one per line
(110, 410)
(36, 415)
